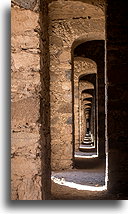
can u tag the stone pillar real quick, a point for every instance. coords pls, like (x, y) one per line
(101, 102)
(61, 108)
(26, 163)
(83, 123)
(117, 72)
(96, 115)
(76, 114)
(80, 119)
(92, 120)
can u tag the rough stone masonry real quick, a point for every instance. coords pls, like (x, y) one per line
(25, 97)
(44, 35)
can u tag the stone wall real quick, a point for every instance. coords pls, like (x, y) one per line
(29, 173)
(98, 3)
(117, 81)
(38, 29)
(26, 86)
(69, 23)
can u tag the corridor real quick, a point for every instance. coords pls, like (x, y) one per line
(69, 100)
(78, 144)
(88, 174)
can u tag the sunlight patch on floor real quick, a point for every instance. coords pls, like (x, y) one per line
(89, 156)
(63, 182)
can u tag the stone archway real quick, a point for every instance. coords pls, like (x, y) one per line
(64, 29)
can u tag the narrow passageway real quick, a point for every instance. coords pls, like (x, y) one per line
(86, 149)
(87, 145)
(69, 100)
(78, 148)
(88, 172)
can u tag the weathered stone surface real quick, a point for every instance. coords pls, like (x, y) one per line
(57, 41)
(27, 4)
(75, 10)
(26, 189)
(65, 108)
(83, 66)
(26, 145)
(65, 56)
(71, 23)
(26, 61)
(68, 74)
(26, 78)
(68, 21)
(23, 21)
(25, 42)
(66, 86)
(25, 112)
(25, 115)
(69, 120)
(67, 97)
(26, 166)
(25, 54)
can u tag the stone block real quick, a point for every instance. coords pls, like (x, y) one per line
(27, 4)
(65, 56)
(23, 21)
(24, 60)
(57, 41)
(25, 42)
(66, 86)
(25, 113)
(26, 166)
(24, 85)
(65, 108)
(60, 10)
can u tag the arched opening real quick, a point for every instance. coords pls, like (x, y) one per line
(52, 119)
(89, 151)
(76, 47)
(95, 50)
(87, 86)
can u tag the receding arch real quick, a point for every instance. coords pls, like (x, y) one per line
(63, 66)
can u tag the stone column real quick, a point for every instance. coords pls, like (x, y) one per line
(117, 115)
(26, 166)
(61, 109)
(92, 121)
(76, 114)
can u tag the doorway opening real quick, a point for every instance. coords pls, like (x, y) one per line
(77, 96)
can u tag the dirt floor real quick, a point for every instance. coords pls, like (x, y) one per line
(67, 193)
(85, 154)
(91, 177)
